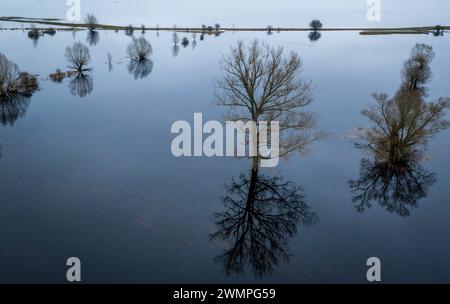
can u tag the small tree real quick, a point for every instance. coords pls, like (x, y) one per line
(78, 57)
(217, 27)
(316, 25)
(139, 49)
(91, 22)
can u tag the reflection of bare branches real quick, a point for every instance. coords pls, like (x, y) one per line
(140, 68)
(396, 186)
(92, 38)
(12, 108)
(261, 214)
(81, 85)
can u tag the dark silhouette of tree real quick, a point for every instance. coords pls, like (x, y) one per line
(217, 27)
(140, 68)
(314, 36)
(402, 125)
(91, 22)
(269, 30)
(16, 89)
(78, 57)
(92, 38)
(396, 186)
(185, 42)
(259, 83)
(438, 31)
(81, 85)
(261, 215)
(316, 25)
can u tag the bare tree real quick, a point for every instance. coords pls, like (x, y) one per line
(217, 27)
(91, 22)
(259, 83)
(78, 57)
(139, 49)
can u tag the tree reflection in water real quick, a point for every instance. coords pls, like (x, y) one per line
(81, 85)
(397, 141)
(261, 214)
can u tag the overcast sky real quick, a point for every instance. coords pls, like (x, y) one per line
(240, 12)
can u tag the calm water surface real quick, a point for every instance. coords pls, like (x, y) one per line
(94, 176)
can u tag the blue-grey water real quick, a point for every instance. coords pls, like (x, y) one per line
(93, 177)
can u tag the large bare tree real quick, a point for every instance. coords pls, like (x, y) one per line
(261, 83)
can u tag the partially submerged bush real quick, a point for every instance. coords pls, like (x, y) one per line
(78, 56)
(139, 49)
(13, 82)
(59, 75)
(16, 89)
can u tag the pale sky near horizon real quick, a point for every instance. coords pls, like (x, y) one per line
(241, 13)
